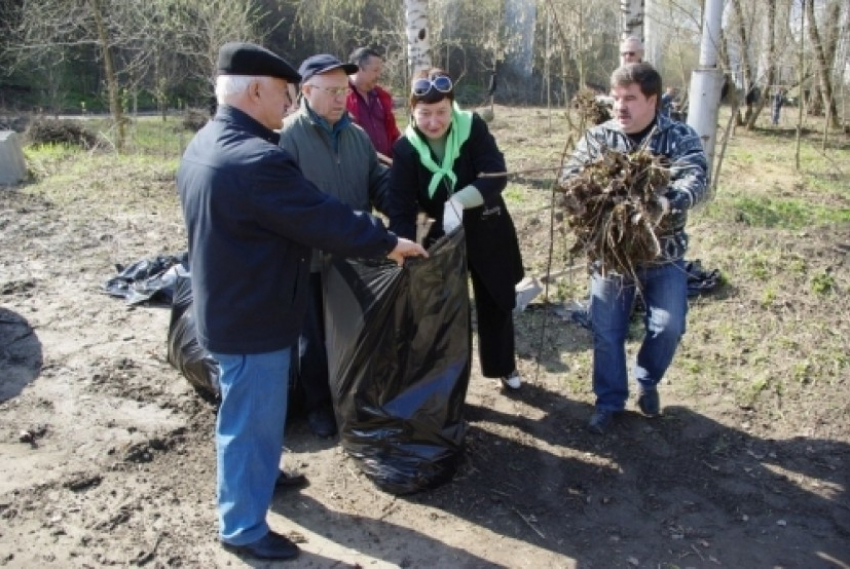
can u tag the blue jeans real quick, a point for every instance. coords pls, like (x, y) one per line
(665, 292)
(249, 440)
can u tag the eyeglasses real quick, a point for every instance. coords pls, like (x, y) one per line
(628, 53)
(334, 92)
(441, 83)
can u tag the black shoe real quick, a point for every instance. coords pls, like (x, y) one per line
(649, 402)
(290, 481)
(322, 423)
(600, 421)
(270, 546)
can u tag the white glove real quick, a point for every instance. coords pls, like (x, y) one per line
(452, 216)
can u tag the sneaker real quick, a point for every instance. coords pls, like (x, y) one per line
(600, 421)
(512, 381)
(649, 402)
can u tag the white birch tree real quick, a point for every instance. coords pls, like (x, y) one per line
(418, 38)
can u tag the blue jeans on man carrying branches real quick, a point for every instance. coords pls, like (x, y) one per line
(664, 289)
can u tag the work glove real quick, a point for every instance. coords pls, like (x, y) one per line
(452, 215)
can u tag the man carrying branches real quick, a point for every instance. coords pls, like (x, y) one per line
(630, 216)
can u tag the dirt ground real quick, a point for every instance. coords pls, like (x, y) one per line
(108, 458)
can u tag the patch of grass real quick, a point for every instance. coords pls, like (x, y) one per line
(749, 391)
(832, 183)
(761, 265)
(514, 194)
(823, 283)
(797, 265)
(768, 297)
(787, 213)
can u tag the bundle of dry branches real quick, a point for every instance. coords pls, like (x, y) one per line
(614, 208)
(592, 110)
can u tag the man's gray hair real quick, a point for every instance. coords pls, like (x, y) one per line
(228, 85)
(362, 55)
(632, 40)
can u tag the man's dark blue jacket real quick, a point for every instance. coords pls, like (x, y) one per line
(252, 219)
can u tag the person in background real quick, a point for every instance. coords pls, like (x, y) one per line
(369, 105)
(636, 89)
(667, 101)
(439, 167)
(776, 105)
(251, 220)
(337, 156)
(631, 50)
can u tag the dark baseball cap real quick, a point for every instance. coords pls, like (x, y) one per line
(242, 58)
(322, 63)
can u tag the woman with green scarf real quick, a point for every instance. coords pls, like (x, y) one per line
(437, 167)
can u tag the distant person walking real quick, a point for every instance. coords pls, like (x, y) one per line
(776, 105)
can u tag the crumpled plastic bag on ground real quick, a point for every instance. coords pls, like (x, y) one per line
(147, 280)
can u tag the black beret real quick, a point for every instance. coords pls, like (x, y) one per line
(322, 63)
(241, 58)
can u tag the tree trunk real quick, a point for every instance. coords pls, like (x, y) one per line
(771, 65)
(732, 95)
(798, 135)
(418, 40)
(823, 67)
(109, 68)
(632, 18)
(749, 80)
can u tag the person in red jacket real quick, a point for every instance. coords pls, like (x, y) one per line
(369, 105)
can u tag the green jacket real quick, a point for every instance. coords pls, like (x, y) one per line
(340, 161)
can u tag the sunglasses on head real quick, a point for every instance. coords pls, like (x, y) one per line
(441, 83)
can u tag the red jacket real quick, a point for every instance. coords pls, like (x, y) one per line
(386, 100)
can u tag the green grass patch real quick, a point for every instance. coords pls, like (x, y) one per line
(786, 213)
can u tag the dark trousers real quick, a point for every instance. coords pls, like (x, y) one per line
(495, 332)
(312, 372)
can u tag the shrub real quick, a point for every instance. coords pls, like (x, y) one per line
(195, 119)
(54, 131)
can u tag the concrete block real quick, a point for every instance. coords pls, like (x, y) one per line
(13, 167)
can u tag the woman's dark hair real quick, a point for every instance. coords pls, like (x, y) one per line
(433, 95)
(644, 75)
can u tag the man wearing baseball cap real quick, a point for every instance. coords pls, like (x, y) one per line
(337, 156)
(251, 220)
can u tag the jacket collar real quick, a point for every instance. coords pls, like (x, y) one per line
(334, 130)
(241, 119)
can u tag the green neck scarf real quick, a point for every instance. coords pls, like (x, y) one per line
(458, 134)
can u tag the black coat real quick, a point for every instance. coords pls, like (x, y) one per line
(252, 219)
(492, 246)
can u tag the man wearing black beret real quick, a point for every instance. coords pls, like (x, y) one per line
(252, 219)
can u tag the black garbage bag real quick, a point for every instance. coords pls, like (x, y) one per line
(147, 280)
(184, 352)
(399, 352)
